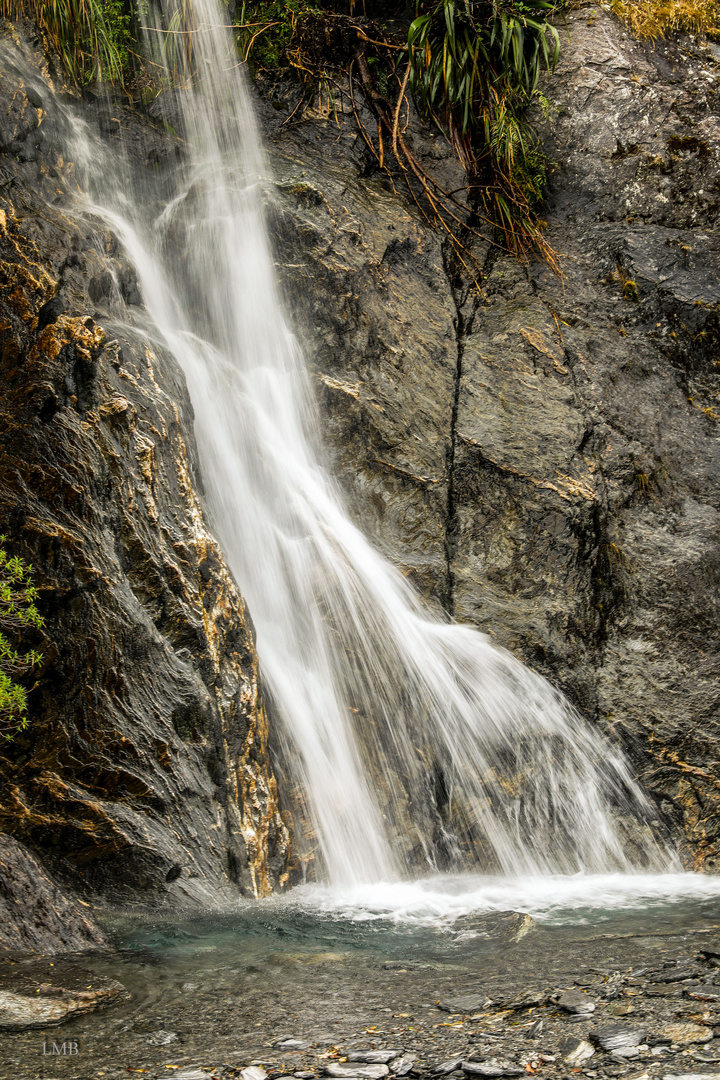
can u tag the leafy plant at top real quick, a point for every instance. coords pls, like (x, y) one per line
(90, 36)
(475, 66)
(17, 613)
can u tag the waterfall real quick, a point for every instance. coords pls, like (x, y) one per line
(417, 743)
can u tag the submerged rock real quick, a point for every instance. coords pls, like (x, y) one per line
(36, 995)
(501, 925)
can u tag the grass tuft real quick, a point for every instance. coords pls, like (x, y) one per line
(653, 19)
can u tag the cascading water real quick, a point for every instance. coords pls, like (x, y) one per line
(414, 740)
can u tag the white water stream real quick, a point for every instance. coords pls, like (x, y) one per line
(384, 706)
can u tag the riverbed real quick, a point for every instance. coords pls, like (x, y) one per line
(438, 970)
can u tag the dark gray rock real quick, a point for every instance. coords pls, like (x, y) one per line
(575, 1001)
(36, 915)
(374, 1057)
(617, 1036)
(569, 504)
(145, 770)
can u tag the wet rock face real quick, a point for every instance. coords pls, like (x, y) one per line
(35, 915)
(542, 459)
(145, 770)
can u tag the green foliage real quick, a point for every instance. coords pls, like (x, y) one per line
(17, 613)
(90, 36)
(265, 30)
(467, 55)
(475, 66)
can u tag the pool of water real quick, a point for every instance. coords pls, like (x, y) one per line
(341, 968)
(435, 919)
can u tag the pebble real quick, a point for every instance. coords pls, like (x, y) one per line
(582, 1051)
(290, 1044)
(687, 1033)
(705, 993)
(482, 1068)
(491, 1068)
(617, 1036)
(191, 1074)
(401, 1066)
(465, 1003)
(364, 1072)
(374, 1057)
(674, 975)
(253, 1072)
(574, 1001)
(446, 1067)
(691, 1076)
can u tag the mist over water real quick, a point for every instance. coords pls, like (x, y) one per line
(419, 746)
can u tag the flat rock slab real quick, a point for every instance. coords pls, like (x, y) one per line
(463, 1003)
(574, 1001)
(687, 1033)
(374, 1057)
(364, 1072)
(38, 993)
(617, 1036)
(500, 925)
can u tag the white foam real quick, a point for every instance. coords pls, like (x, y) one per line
(440, 901)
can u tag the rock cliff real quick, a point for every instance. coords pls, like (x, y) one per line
(145, 771)
(542, 457)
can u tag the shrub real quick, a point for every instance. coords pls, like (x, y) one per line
(17, 613)
(90, 36)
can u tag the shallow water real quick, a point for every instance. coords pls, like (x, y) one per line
(362, 966)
